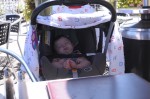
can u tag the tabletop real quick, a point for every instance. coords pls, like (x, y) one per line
(126, 86)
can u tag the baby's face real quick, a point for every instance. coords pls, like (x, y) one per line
(63, 46)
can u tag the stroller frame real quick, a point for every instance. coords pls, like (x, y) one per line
(79, 2)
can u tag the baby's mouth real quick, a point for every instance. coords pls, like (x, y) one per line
(66, 49)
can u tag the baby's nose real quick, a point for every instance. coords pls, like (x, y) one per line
(64, 46)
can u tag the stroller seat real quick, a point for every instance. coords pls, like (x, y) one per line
(86, 45)
(50, 72)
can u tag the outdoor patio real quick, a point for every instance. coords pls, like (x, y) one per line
(118, 35)
(13, 7)
(13, 46)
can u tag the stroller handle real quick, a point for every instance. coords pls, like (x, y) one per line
(46, 4)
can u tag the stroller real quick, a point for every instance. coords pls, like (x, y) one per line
(93, 35)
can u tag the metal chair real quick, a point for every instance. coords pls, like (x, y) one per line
(7, 28)
(15, 20)
(4, 33)
(123, 18)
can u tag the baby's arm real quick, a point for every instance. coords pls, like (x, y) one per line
(70, 64)
(58, 63)
(82, 62)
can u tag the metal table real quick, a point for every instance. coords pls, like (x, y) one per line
(126, 86)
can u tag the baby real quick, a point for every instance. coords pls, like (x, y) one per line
(63, 45)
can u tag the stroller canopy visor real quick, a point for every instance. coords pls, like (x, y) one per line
(64, 16)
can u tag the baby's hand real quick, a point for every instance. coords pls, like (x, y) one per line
(82, 62)
(69, 64)
(57, 62)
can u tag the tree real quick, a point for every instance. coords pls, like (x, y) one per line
(46, 11)
(29, 7)
(129, 3)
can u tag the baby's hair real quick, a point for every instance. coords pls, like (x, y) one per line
(58, 37)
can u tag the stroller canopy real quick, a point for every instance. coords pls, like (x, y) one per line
(63, 15)
(72, 17)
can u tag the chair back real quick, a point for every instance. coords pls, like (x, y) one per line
(15, 20)
(4, 32)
